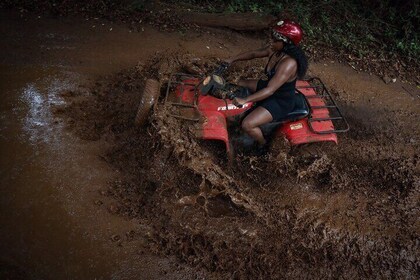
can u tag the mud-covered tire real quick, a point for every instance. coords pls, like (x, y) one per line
(147, 100)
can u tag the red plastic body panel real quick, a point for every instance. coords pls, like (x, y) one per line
(208, 102)
(299, 132)
(215, 128)
(214, 113)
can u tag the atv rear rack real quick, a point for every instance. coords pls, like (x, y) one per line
(324, 97)
(178, 79)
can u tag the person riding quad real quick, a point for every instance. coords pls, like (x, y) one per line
(274, 93)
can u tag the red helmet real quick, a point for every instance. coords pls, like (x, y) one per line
(287, 31)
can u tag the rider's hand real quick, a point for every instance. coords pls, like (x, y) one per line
(238, 101)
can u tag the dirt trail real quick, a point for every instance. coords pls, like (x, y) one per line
(348, 210)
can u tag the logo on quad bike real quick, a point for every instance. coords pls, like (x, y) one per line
(232, 107)
(296, 126)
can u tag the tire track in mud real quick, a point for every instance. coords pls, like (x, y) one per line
(350, 211)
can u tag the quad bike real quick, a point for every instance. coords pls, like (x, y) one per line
(208, 102)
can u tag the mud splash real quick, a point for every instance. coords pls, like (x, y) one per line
(349, 210)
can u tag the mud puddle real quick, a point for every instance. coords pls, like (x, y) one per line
(32, 146)
(348, 210)
(56, 220)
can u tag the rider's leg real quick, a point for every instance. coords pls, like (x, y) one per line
(252, 122)
(251, 84)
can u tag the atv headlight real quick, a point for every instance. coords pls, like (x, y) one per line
(218, 80)
(206, 80)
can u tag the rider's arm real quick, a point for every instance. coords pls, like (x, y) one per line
(263, 52)
(284, 72)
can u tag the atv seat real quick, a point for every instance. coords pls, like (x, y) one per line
(300, 111)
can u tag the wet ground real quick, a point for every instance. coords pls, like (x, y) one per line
(85, 194)
(51, 180)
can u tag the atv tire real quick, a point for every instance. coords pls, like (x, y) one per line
(147, 100)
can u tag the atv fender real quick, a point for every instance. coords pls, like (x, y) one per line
(299, 132)
(214, 127)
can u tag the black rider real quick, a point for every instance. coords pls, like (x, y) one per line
(274, 95)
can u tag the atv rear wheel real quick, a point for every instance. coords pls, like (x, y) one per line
(147, 100)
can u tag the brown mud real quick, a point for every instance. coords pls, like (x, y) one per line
(349, 210)
(85, 194)
(55, 221)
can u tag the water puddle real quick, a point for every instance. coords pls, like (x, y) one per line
(37, 195)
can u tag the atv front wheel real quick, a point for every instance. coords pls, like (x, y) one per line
(147, 99)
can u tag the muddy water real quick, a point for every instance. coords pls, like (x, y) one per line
(294, 214)
(85, 194)
(55, 221)
(39, 233)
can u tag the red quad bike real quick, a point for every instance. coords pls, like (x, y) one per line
(208, 102)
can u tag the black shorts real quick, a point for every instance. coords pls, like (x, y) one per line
(279, 104)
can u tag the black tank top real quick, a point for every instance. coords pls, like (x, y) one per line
(287, 89)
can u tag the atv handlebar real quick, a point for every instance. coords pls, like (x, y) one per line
(219, 71)
(216, 81)
(222, 68)
(231, 96)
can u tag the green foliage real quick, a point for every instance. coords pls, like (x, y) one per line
(356, 26)
(235, 6)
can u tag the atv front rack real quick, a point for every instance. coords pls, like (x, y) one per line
(322, 100)
(178, 79)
